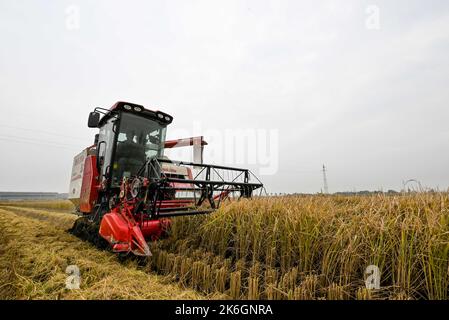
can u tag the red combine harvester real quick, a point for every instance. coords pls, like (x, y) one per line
(126, 190)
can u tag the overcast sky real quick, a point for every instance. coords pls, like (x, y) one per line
(361, 86)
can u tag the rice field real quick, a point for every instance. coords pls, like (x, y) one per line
(302, 247)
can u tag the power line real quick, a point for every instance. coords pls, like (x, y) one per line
(36, 142)
(41, 131)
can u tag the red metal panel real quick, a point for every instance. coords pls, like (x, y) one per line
(89, 187)
(127, 235)
(114, 228)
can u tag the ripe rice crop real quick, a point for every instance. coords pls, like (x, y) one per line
(318, 247)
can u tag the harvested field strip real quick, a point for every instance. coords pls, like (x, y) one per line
(35, 255)
(61, 219)
(62, 205)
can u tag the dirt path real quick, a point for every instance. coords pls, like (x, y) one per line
(35, 251)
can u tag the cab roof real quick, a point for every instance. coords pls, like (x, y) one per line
(137, 109)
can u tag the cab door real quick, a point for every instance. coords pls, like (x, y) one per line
(105, 147)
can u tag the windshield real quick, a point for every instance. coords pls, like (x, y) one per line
(138, 139)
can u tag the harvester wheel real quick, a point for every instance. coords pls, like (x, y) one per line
(88, 231)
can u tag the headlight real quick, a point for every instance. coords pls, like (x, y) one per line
(127, 107)
(160, 115)
(167, 118)
(138, 109)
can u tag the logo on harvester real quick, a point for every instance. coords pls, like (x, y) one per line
(73, 280)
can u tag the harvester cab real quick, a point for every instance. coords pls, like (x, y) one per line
(126, 189)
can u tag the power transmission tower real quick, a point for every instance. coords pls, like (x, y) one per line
(326, 189)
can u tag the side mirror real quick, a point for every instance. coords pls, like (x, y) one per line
(94, 120)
